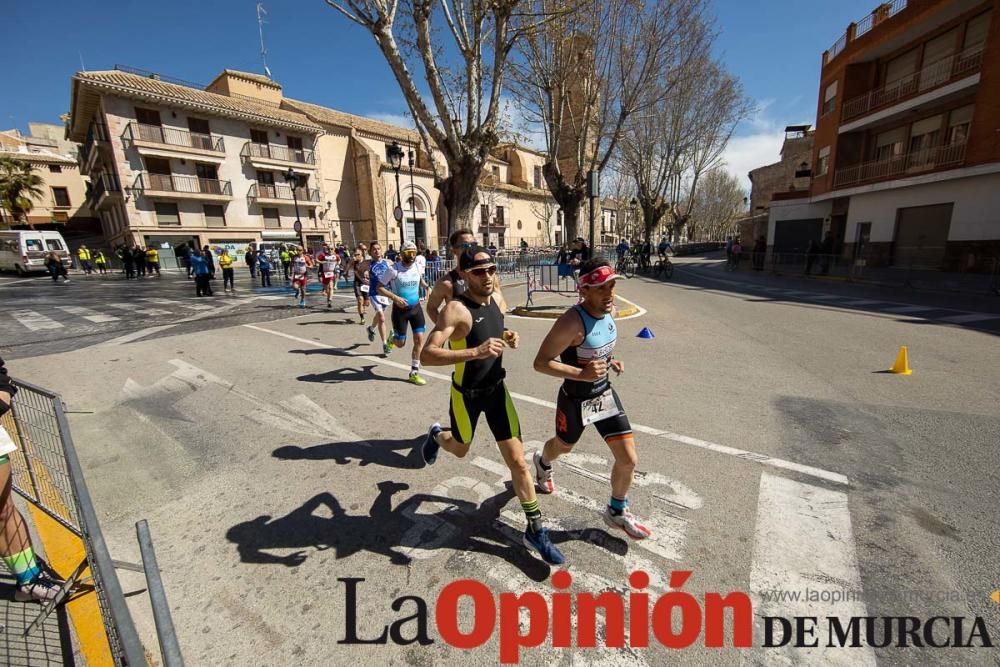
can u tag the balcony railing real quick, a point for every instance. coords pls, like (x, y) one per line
(282, 191)
(96, 132)
(864, 25)
(934, 75)
(275, 152)
(183, 184)
(906, 164)
(101, 185)
(172, 136)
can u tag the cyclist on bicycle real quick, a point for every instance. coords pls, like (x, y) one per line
(664, 246)
(622, 248)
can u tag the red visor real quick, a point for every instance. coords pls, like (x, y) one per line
(598, 276)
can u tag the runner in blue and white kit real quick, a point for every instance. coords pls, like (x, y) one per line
(379, 303)
(401, 282)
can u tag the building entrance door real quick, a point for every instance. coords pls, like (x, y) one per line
(921, 236)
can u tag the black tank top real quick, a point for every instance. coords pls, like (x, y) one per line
(457, 284)
(487, 322)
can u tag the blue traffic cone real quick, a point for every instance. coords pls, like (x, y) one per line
(645, 333)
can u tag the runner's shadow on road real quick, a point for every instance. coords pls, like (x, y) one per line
(333, 351)
(348, 375)
(305, 324)
(399, 533)
(404, 454)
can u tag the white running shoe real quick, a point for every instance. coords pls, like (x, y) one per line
(543, 477)
(40, 589)
(627, 522)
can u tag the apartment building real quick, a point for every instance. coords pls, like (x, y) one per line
(226, 165)
(905, 168)
(64, 191)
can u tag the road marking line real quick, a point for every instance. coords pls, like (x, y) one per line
(171, 302)
(971, 317)
(35, 321)
(763, 459)
(88, 314)
(130, 307)
(803, 542)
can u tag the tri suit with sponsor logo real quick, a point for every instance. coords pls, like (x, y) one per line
(404, 281)
(477, 386)
(581, 403)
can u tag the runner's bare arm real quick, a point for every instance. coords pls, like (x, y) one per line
(567, 331)
(434, 300)
(453, 321)
(498, 297)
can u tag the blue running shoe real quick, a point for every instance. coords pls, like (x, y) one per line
(371, 334)
(430, 448)
(540, 542)
(302, 303)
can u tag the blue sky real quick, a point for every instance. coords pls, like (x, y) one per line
(773, 46)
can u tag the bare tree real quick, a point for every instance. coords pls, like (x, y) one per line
(587, 72)
(715, 206)
(464, 77)
(667, 153)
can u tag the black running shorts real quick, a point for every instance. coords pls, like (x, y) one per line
(569, 420)
(412, 315)
(501, 416)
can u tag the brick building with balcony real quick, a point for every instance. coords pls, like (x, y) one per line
(906, 157)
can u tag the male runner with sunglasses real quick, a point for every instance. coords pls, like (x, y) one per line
(579, 350)
(450, 285)
(470, 335)
(401, 282)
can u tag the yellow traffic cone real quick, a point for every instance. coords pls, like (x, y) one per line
(902, 365)
(995, 596)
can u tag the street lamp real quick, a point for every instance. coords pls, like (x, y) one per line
(293, 181)
(396, 160)
(593, 191)
(413, 197)
(634, 221)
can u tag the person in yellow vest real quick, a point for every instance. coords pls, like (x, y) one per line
(226, 264)
(153, 260)
(84, 256)
(101, 262)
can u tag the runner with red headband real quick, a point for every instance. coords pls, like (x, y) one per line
(579, 350)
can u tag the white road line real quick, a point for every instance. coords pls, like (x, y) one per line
(971, 317)
(803, 542)
(171, 302)
(130, 307)
(88, 314)
(762, 459)
(35, 321)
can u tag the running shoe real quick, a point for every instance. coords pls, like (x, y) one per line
(542, 543)
(387, 347)
(416, 379)
(543, 477)
(42, 588)
(430, 448)
(302, 303)
(627, 522)
(371, 333)
(329, 304)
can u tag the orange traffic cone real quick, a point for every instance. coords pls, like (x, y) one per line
(995, 596)
(902, 365)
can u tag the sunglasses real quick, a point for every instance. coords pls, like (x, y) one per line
(483, 270)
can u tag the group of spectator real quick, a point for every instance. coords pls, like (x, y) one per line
(138, 262)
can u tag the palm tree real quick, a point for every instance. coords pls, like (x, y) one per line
(19, 184)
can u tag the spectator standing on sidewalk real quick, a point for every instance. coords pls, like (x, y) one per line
(153, 260)
(226, 264)
(264, 264)
(202, 274)
(251, 259)
(15, 541)
(139, 257)
(84, 256)
(206, 252)
(128, 263)
(826, 249)
(101, 262)
(286, 260)
(736, 251)
(811, 251)
(759, 252)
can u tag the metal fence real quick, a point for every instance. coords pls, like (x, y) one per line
(46, 472)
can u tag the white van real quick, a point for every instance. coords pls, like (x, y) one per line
(24, 251)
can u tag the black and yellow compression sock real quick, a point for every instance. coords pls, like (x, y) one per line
(533, 514)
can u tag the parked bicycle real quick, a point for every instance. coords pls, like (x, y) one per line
(625, 266)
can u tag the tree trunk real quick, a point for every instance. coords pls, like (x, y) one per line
(458, 194)
(569, 197)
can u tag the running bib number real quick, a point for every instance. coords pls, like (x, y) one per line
(599, 408)
(328, 274)
(364, 289)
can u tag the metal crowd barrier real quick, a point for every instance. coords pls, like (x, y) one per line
(552, 278)
(46, 471)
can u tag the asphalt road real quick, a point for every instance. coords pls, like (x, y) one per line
(274, 454)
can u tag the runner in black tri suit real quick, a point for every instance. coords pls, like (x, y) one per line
(579, 349)
(472, 327)
(450, 285)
